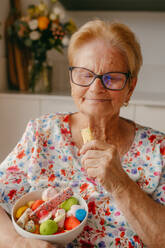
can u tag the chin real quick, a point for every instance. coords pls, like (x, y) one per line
(95, 108)
(96, 111)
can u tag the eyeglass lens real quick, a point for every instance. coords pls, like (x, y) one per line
(112, 80)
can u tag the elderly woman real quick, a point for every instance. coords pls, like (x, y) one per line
(120, 173)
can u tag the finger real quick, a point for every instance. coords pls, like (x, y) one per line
(92, 154)
(94, 145)
(92, 172)
(87, 163)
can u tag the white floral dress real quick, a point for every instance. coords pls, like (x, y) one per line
(46, 155)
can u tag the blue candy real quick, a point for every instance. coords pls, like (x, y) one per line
(80, 214)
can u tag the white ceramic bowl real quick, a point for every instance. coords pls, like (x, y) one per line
(62, 238)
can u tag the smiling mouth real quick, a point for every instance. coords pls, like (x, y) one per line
(98, 100)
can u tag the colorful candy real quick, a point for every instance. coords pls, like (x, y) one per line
(49, 193)
(30, 226)
(30, 203)
(68, 203)
(36, 204)
(48, 227)
(24, 218)
(60, 218)
(52, 203)
(80, 214)
(73, 210)
(71, 222)
(37, 231)
(45, 217)
(59, 213)
(20, 211)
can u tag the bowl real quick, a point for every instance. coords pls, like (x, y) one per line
(62, 238)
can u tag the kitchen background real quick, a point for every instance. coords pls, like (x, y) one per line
(148, 103)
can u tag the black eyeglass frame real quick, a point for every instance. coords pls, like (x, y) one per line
(100, 76)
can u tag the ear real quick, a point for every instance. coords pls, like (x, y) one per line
(131, 88)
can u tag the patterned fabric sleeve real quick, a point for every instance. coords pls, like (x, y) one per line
(159, 193)
(13, 170)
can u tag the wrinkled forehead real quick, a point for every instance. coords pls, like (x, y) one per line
(100, 57)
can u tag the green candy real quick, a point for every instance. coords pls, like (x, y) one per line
(68, 203)
(48, 227)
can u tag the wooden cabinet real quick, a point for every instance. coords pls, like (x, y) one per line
(17, 109)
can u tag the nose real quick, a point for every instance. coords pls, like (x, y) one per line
(97, 85)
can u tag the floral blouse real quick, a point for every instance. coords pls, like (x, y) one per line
(47, 156)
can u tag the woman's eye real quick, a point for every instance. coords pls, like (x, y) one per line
(87, 75)
(115, 79)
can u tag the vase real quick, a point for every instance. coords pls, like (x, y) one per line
(43, 80)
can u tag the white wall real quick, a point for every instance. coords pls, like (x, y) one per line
(150, 30)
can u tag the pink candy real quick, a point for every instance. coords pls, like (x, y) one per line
(48, 194)
(52, 203)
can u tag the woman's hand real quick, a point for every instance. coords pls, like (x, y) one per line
(32, 243)
(102, 161)
(9, 238)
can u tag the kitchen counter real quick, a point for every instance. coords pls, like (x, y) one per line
(140, 98)
(148, 98)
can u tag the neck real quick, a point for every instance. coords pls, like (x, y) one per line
(107, 129)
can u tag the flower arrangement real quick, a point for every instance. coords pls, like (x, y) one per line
(42, 29)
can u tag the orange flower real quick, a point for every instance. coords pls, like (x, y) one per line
(21, 154)
(22, 30)
(83, 187)
(63, 172)
(43, 22)
(51, 178)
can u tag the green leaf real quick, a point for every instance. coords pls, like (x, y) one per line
(10, 31)
(59, 49)
(31, 6)
(51, 41)
(34, 74)
(28, 42)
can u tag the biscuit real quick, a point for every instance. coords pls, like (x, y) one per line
(86, 135)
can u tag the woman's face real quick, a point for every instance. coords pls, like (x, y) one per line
(100, 57)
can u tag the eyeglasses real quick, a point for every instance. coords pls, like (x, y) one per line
(110, 80)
